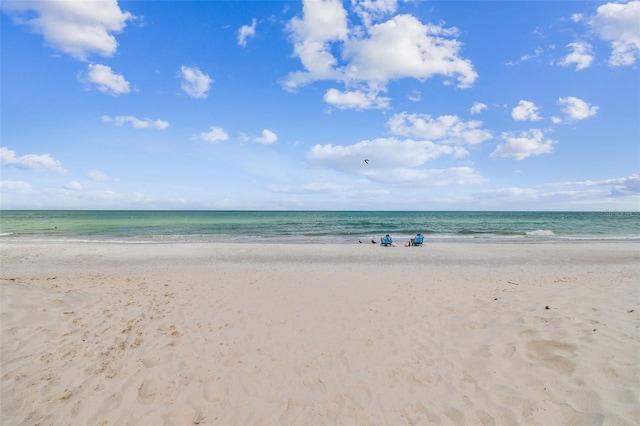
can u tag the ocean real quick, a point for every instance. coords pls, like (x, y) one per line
(342, 227)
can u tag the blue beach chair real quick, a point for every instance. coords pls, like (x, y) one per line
(386, 241)
(418, 240)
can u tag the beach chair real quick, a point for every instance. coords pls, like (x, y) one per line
(386, 241)
(418, 240)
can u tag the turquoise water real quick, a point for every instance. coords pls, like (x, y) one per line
(314, 226)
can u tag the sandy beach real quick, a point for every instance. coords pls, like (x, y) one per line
(460, 333)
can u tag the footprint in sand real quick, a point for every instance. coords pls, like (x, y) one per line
(546, 351)
(215, 391)
(315, 383)
(473, 325)
(360, 395)
(297, 412)
(150, 361)
(148, 390)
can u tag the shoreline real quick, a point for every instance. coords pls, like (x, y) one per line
(217, 333)
(398, 240)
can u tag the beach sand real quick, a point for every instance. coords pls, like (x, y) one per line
(454, 333)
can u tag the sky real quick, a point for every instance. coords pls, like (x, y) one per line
(320, 105)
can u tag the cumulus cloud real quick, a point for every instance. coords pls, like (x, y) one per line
(77, 28)
(525, 111)
(323, 22)
(617, 23)
(373, 55)
(106, 80)
(195, 83)
(33, 162)
(447, 129)
(581, 55)
(215, 134)
(267, 137)
(382, 153)
(478, 107)
(374, 10)
(405, 47)
(136, 123)
(577, 109)
(523, 145)
(393, 161)
(245, 32)
(357, 100)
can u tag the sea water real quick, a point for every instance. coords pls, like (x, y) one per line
(314, 226)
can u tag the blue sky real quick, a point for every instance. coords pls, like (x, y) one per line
(457, 105)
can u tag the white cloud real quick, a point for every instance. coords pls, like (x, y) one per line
(97, 176)
(267, 138)
(245, 32)
(137, 123)
(73, 186)
(401, 47)
(428, 177)
(106, 80)
(404, 47)
(478, 107)
(619, 186)
(606, 196)
(577, 109)
(196, 83)
(322, 22)
(610, 194)
(382, 154)
(445, 129)
(528, 56)
(33, 162)
(536, 52)
(392, 161)
(18, 186)
(77, 28)
(525, 111)
(629, 186)
(617, 23)
(374, 10)
(581, 55)
(523, 145)
(357, 100)
(215, 134)
(415, 96)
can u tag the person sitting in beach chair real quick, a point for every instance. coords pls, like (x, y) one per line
(386, 240)
(416, 241)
